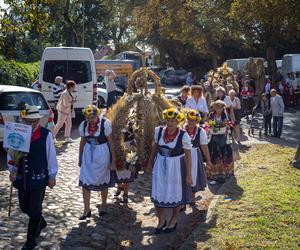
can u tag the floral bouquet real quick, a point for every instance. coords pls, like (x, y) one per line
(131, 162)
(16, 156)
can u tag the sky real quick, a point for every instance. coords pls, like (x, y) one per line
(2, 4)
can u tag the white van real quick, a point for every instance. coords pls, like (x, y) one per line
(71, 63)
(290, 63)
(239, 64)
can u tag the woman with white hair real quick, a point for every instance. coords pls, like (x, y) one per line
(221, 95)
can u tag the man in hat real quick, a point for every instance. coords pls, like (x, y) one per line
(32, 173)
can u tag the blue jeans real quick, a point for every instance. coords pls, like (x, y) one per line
(277, 125)
(111, 98)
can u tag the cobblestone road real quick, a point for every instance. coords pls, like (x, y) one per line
(124, 227)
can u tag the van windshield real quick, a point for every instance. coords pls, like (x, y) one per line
(79, 71)
(17, 100)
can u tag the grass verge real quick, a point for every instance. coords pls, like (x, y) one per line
(260, 209)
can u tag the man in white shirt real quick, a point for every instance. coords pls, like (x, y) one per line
(277, 107)
(111, 87)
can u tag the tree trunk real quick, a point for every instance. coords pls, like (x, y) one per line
(214, 60)
(271, 59)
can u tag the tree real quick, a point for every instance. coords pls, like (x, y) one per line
(267, 23)
(21, 21)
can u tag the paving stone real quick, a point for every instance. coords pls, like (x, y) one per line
(124, 226)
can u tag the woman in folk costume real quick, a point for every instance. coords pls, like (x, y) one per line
(172, 177)
(125, 176)
(96, 158)
(220, 150)
(199, 140)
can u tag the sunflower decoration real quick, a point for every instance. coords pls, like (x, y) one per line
(91, 111)
(172, 113)
(24, 111)
(193, 115)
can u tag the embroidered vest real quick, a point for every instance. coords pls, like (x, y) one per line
(33, 172)
(164, 150)
(101, 138)
(196, 141)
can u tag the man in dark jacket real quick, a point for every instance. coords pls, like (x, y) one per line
(32, 172)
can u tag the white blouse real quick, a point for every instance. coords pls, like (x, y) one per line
(186, 140)
(107, 128)
(200, 106)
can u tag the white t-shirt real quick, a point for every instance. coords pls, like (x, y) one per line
(296, 83)
(236, 103)
(110, 84)
(200, 106)
(227, 101)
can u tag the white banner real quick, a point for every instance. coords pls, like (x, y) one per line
(17, 136)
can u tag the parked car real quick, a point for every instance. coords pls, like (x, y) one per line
(12, 101)
(173, 77)
(102, 94)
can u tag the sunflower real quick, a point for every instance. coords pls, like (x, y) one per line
(23, 113)
(170, 113)
(180, 117)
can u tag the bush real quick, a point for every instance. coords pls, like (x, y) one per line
(18, 73)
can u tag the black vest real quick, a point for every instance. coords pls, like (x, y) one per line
(196, 141)
(100, 139)
(171, 152)
(33, 172)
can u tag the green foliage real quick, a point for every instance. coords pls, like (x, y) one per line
(17, 73)
(264, 210)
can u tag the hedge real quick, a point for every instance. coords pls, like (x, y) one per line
(18, 73)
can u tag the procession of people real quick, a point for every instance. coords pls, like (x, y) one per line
(191, 149)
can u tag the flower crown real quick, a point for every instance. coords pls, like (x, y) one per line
(193, 115)
(172, 113)
(91, 111)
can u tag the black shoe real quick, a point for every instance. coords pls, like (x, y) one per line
(84, 217)
(119, 190)
(170, 230)
(159, 230)
(193, 203)
(43, 225)
(125, 199)
(103, 212)
(29, 245)
(183, 208)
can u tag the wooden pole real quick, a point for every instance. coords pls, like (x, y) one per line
(10, 199)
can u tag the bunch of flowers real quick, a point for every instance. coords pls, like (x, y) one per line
(193, 115)
(172, 113)
(218, 125)
(91, 111)
(131, 161)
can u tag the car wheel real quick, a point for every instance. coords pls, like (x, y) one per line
(101, 102)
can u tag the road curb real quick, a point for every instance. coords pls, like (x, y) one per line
(215, 200)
